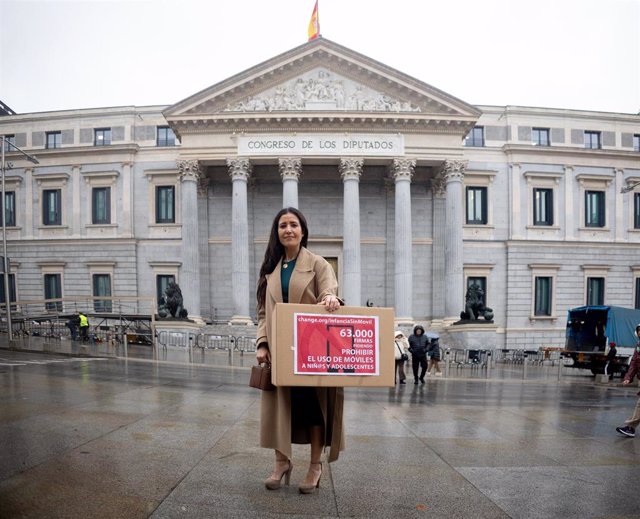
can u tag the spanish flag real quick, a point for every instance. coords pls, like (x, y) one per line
(314, 23)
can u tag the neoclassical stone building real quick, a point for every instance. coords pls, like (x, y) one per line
(410, 193)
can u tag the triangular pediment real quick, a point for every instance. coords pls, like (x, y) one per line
(321, 89)
(317, 80)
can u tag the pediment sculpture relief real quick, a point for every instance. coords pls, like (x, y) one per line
(321, 90)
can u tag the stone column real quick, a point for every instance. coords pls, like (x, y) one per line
(239, 171)
(29, 195)
(620, 234)
(76, 179)
(402, 172)
(453, 244)
(350, 170)
(189, 173)
(438, 287)
(126, 218)
(569, 210)
(516, 201)
(290, 169)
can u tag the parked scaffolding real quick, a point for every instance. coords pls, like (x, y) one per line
(119, 320)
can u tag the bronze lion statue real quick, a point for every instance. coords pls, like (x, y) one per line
(474, 305)
(171, 302)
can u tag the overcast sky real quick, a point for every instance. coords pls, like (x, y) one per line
(65, 54)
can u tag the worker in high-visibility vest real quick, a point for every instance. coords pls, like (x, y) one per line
(84, 326)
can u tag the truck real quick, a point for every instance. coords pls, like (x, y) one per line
(590, 332)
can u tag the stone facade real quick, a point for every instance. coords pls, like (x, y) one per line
(378, 163)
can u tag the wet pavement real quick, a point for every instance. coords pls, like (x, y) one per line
(85, 437)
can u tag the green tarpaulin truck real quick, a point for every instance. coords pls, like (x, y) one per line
(592, 329)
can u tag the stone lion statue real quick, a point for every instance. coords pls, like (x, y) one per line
(474, 306)
(171, 302)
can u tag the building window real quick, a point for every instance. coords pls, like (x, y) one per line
(165, 206)
(101, 205)
(637, 302)
(540, 136)
(54, 140)
(595, 291)
(102, 288)
(51, 207)
(543, 296)
(592, 140)
(165, 136)
(10, 142)
(475, 138)
(542, 206)
(162, 282)
(476, 205)
(594, 209)
(12, 289)
(102, 137)
(53, 290)
(636, 210)
(636, 142)
(10, 208)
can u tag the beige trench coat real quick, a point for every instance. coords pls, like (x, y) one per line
(312, 279)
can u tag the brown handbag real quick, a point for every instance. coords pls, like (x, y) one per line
(261, 377)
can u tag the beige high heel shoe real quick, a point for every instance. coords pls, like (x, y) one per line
(274, 483)
(306, 488)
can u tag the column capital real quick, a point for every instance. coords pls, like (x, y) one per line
(192, 170)
(453, 170)
(189, 170)
(351, 169)
(290, 168)
(402, 169)
(439, 186)
(239, 168)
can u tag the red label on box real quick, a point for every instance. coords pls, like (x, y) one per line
(329, 344)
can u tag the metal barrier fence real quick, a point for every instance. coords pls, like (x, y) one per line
(195, 345)
(217, 349)
(540, 356)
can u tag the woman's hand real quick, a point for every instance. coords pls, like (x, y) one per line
(263, 354)
(330, 302)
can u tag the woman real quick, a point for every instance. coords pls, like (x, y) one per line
(434, 354)
(401, 347)
(292, 274)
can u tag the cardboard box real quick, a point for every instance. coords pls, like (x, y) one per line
(352, 346)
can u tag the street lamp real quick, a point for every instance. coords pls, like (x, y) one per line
(5, 260)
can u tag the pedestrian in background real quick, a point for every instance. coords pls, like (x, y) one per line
(629, 428)
(433, 351)
(401, 351)
(84, 327)
(418, 343)
(73, 324)
(611, 358)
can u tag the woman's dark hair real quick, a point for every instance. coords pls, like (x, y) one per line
(275, 250)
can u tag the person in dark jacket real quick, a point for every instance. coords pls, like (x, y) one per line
(611, 359)
(418, 345)
(73, 325)
(629, 428)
